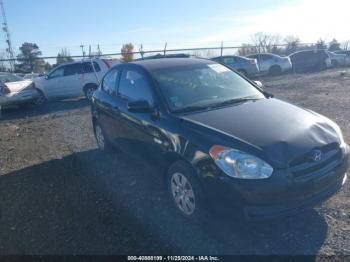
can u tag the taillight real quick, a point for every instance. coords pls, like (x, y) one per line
(107, 63)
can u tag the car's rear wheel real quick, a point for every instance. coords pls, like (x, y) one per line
(185, 192)
(89, 91)
(335, 63)
(275, 70)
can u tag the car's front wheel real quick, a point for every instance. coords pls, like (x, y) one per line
(185, 192)
(101, 140)
(40, 99)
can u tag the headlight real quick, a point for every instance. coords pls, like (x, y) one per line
(238, 164)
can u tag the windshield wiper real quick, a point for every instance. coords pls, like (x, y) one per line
(209, 106)
(191, 109)
(234, 101)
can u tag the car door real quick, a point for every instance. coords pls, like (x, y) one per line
(53, 83)
(92, 73)
(265, 62)
(138, 132)
(72, 81)
(107, 104)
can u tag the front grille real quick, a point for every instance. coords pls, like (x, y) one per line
(306, 166)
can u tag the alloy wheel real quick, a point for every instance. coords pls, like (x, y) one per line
(183, 193)
(100, 137)
(89, 93)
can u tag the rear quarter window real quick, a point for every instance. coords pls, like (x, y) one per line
(87, 67)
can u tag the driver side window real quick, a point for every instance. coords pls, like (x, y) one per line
(59, 72)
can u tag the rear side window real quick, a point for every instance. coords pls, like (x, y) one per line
(72, 69)
(109, 84)
(265, 57)
(87, 67)
(229, 60)
(134, 86)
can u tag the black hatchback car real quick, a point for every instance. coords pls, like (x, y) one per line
(310, 60)
(220, 138)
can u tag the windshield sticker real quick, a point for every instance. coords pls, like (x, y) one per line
(219, 68)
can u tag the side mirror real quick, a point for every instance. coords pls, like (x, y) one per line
(140, 106)
(259, 84)
(46, 77)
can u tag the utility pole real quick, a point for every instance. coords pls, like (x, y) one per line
(9, 49)
(165, 48)
(82, 50)
(99, 50)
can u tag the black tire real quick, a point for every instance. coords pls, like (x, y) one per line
(102, 141)
(199, 212)
(335, 63)
(40, 100)
(275, 70)
(323, 66)
(89, 91)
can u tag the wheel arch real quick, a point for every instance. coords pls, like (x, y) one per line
(89, 85)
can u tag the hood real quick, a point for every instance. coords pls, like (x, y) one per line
(280, 130)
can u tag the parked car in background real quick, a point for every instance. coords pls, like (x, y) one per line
(72, 79)
(246, 66)
(344, 52)
(15, 90)
(272, 64)
(338, 59)
(219, 138)
(31, 75)
(310, 60)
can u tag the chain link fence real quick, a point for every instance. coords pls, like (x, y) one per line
(43, 64)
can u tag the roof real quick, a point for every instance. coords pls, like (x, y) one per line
(155, 64)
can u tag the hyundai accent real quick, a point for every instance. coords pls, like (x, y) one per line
(219, 137)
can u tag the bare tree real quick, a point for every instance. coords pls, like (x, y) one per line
(63, 56)
(266, 43)
(247, 49)
(292, 43)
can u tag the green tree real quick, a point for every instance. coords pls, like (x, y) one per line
(321, 44)
(127, 52)
(29, 59)
(334, 45)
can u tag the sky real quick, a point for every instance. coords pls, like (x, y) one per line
(57, 24)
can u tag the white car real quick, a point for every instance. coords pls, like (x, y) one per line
(14, 90)
(31, 76)
(338, 59)
(272, 64)
(72, 79)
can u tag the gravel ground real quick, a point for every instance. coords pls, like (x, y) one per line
(60, 195)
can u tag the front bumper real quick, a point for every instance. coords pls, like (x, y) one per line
(20, 97)
(278, 195)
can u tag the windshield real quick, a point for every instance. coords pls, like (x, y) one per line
(203, 85)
